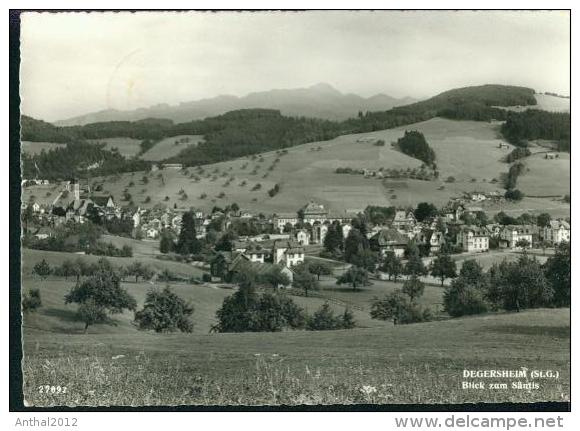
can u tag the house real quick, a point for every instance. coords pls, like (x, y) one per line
(473, 239)
(303, 237)
(511, 234)
(494, 230)
(551, 156)
(256, 252)
(281, 220)
(225, 264)
(104, 201)
(288, 253)
(556, 232)
(433, 238)
(389, 240)
(404, 220)
(453, 210)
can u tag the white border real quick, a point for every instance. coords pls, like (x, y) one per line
(255, 420)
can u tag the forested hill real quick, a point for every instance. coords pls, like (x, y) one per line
(251, 131)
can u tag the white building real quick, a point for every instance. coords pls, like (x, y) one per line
(303, 237)
(556, 232)
(473, 239)
(511, 234)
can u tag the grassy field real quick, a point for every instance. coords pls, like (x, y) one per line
(546, 177)
(28, 147)
(55, 258)
(170, 147)
(419, 363)
(128, 147)
(307, 172)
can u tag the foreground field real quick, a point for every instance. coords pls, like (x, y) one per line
(420, 363)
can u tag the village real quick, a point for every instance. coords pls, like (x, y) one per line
(286, 239)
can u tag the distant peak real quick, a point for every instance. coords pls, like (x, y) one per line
(323, 86)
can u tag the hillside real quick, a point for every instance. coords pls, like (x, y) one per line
(466, 150)
(318, 101)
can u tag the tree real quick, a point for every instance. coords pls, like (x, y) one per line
(413, 288)
(304, 279)
(414, 265)
(246, 311)
(464, 298)
(392, 265)
(557, 270)
(319, 268)
(399, 308)
(523, 244)
(443, 267)
(42, 269)
(67, 269)
(472, 272)
(31, 301)
(164, 311)
(355, 276)
(166, 244)
(187, 242)
(514, 195)
(354, 244)
(425, 211)
(324, 319)
(520, 284)
(99, 296)
(274, 277)
(334, 240)
(138, 269)
(226, 242)
(543, 220)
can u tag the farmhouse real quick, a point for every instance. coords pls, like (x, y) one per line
(511, 234)
(556, 232)
(389, 240)
(473, 238)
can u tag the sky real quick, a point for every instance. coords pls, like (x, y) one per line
(76, 63)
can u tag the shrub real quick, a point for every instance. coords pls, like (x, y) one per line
(324, 319)
(206, 277)
(31, 301)
(399, 308)
(464, 298)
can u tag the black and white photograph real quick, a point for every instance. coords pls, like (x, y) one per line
(293, 208)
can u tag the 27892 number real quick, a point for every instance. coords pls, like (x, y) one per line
(48, 389)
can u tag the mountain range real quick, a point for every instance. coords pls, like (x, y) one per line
(317, 101)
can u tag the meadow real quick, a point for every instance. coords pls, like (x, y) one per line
(128, 147)
(418, 363)
(373, 363)
(169, 147)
